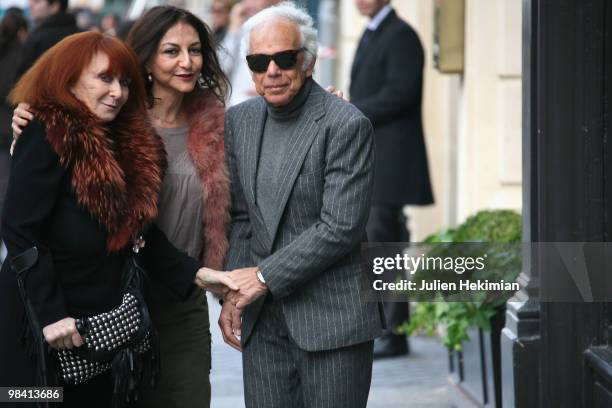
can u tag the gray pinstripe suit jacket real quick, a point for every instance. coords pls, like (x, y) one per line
(311, 263)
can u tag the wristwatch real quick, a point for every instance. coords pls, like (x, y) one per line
(260, 277)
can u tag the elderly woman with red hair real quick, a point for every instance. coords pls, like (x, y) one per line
(85, 180)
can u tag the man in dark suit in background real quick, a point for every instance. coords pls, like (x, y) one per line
(53, 23)
(386, 85)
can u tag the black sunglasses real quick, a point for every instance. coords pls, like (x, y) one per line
(285, 60)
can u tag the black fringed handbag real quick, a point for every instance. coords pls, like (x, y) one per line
(121, 340)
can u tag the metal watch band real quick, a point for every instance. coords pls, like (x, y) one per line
(260, 277)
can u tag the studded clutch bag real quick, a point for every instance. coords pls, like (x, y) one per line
(104, 335)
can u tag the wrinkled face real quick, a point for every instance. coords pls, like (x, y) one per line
(103, 94)
(177, 64)
(370, 8)
(276, 85)
(41, 9)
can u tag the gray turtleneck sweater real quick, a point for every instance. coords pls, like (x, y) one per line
(280, 121)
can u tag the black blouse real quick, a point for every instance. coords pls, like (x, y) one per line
(75, 275)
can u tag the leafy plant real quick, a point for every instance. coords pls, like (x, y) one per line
(452, 320)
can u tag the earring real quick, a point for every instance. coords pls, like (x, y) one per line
(150, 78)
(201, 81)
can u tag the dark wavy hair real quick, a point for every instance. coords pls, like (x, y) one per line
(148, 31)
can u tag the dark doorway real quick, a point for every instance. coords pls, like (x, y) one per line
(558, 354)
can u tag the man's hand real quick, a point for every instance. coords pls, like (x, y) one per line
(63, 334)
(229, 322)
(250, 287)
(337, 92)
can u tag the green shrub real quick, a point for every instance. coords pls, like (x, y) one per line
(455, 318)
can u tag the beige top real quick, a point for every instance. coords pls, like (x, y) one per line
(180, 202)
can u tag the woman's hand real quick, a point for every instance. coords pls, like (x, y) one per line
(215, 281)
(63, 334)
(21, 117)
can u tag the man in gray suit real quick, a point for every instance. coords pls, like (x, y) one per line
(300, 162)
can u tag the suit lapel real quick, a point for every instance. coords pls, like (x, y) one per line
(252, 145)
(299, 144)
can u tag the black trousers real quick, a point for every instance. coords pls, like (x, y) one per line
(387, 223)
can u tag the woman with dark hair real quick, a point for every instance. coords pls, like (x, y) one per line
(186, 89)
(86, 175)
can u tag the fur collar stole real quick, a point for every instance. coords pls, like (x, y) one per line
(205, 145)
(116, 169)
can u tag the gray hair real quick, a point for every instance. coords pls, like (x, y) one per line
(286, 10)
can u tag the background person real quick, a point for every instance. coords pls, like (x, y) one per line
(52, 23)
(220, 17)
(109, 24)
(387, 86)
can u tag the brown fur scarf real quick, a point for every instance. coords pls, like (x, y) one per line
(116, 170)
(205, 144)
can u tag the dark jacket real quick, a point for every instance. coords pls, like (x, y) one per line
(46, 35)
(79, 203)
(387, 86)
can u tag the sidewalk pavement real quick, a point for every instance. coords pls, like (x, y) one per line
(414, 381)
